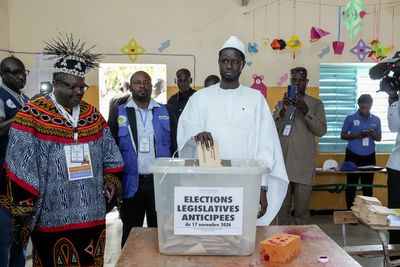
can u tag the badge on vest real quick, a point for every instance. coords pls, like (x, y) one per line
(144, 144)
(356, 123)
(122, 120)
(163, 117)
(10, 104)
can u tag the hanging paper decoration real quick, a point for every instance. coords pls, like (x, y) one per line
(259, 85)
(373, 57)
(338, 45)
(278, 44)
(164, 45)
(294, 43)
(324, 51)
(132, 49)
(377, 50)
(252, 48)
(353, 16)
(282, 79)
(317, 33)
(389, 49)
(361, 50)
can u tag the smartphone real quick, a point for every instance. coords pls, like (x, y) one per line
(292, 92)
(366, 132)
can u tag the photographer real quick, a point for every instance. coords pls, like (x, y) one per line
(361, 129)
(389, 72)
(393, 165)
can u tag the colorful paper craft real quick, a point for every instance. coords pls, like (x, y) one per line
(353, 15)
(164, 45)
(317, 33)
(132, 49)
(324, 51)
(252, 48)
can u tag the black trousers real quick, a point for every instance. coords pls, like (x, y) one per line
(133, 209)
(393, 187)
(353, 178)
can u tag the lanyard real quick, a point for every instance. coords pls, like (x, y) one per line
(145, 118)
(73, 120)
(291, 116)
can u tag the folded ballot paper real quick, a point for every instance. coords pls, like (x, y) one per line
(209, 157)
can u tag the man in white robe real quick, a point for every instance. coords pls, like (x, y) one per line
(239, 118)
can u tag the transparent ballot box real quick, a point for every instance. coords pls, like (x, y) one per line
(206, 210)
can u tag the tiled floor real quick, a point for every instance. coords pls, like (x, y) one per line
(356, 235)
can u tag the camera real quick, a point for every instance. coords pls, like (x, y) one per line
(389, 72)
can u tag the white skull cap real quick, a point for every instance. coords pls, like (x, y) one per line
(234, 42)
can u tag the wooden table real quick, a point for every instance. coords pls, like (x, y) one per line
(141, 249)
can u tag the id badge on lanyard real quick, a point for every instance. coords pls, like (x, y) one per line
(288, 127)
(79, 162)
(287, 130)
(144, 144)
(365, 141)
(144, 140)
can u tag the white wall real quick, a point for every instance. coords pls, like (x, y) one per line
(4, 27)
(197, 27)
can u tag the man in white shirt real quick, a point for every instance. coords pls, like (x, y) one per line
(239, 118)
(393, 164)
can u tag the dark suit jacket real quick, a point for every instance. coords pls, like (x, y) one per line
(113, 123)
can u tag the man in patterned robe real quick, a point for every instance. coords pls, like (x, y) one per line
(62, 163)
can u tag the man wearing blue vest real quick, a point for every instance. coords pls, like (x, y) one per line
(144, 130)
(13, 75)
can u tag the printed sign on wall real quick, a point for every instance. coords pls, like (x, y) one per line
(208, 210)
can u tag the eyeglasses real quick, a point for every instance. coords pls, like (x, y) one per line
(17, 72)
(72, 87)
(235, 62)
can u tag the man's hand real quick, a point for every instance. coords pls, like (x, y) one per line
(109, 190)
(205, 139)
(301, 105)
(263, 202)
(286, 105)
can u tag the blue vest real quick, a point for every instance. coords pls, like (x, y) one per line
(161, 125)
(10, 113)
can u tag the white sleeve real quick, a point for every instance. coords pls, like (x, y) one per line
(269, 152)
(394, 116)
(191, 122)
